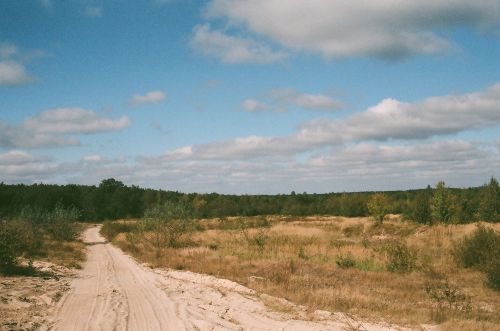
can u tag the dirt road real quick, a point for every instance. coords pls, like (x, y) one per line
(114, 292)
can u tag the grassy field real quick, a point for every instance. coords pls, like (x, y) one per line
(398, 271)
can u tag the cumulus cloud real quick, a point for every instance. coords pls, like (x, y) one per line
(281, 99)
(361, 166)
(55, 127)
(231, 49)
(13, 73)
(148, 98)
(336, 28)
(13, 64)
(20, 166)
(393, 119)
(287, 97)
(15, 157)
(390, 119)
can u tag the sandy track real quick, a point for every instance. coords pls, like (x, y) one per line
(114, 292)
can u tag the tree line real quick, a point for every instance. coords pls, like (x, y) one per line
(112, 199)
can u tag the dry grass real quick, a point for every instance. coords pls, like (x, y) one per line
(300, 259)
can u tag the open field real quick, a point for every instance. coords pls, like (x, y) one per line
(398, 271)
(114, 292)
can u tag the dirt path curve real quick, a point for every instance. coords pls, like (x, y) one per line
(114, 292)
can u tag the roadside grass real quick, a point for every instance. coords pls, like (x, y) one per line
(397, 271)
(67, 253)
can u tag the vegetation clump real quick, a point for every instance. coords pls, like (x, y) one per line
(481, 250)
(37, 233)
(378, 206)
(401, 258)
(164, 224)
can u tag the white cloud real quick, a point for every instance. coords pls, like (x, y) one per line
(281, 99)
(393, 119)
(19, 157)
(73, 120)
(93, 11)
(253, 105)
(56, 127)
(284, 98)
(390, 119)
(354, 167)
(148, 98)
(13, 73)
(13, 64)
(337, 28)
(230, 49)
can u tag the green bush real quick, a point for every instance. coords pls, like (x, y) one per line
(16, 239)
(61, 223)
(164, 224)
(449, 296)
(493, 273)
(401, 257)
(477, 249)
(345, 261)
(481, 250)
(110, 229)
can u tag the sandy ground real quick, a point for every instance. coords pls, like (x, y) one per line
(114, 292)
(27, 303)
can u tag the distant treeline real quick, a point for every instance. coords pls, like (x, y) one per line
(114, 200)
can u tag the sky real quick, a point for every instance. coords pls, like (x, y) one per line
(250, 96)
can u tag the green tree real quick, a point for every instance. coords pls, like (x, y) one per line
(489, 206)
(378, 206)
(165, 223)
(421, 208)
(442, 204)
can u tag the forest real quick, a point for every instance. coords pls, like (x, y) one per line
(112, 200)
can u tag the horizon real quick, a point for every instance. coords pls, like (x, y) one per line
(228, 97)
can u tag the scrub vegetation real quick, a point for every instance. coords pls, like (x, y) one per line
(399, 271)
(408, 257)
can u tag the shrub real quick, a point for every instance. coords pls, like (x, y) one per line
(345, 261)
(16, 239)
(164, 224)
(258, 239)
(481, 250)
(110, 229)
(442, 203)
(61, 223)
(401, 257)
(421, 208)
(493, 273)
(449, 296)
(378, 206)
(477, 249)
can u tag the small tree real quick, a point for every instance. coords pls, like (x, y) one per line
(489, 206)
(378, 206)
(165, 223)
(421, 209)
(442, 203)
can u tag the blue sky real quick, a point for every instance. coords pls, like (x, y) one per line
(264, 96)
